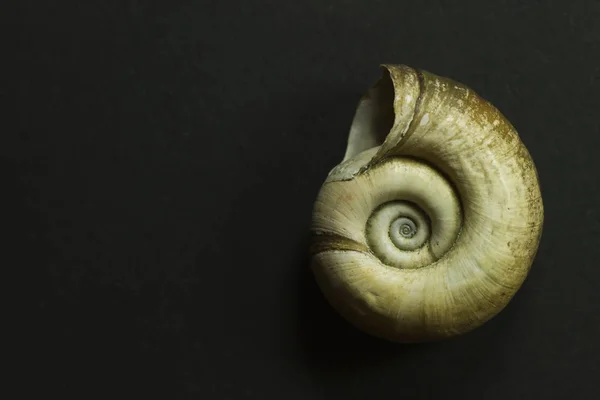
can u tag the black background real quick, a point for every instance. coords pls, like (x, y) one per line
(160, 160)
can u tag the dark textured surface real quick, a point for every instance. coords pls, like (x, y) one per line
(160, 160)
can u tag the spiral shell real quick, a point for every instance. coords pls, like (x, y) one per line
(430, 224)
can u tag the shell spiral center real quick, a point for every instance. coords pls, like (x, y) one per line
(415, 217)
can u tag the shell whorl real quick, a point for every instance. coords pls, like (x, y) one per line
(430, 224)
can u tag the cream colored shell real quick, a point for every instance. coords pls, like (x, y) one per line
(430, 224)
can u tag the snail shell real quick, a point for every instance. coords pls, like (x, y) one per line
(430, 224)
